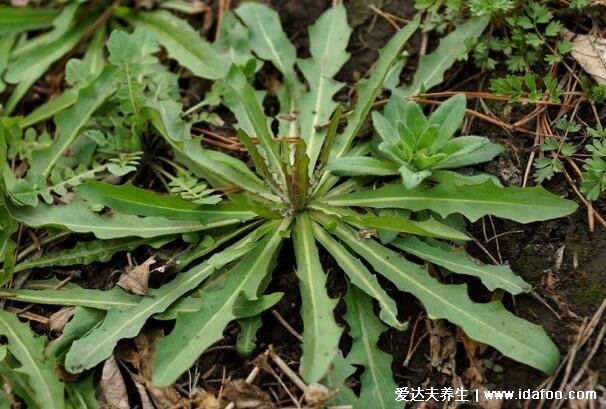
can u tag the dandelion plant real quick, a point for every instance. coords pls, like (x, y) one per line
(382, 209)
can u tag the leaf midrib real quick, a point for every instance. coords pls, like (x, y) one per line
(175, 229)
(319, 96)
(68, 301)
(269, 43)
(308, 272)
(369, 354)
(357, 201)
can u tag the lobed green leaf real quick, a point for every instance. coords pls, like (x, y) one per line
(451, 48)
(321, 333)
(182, 43)
(489, 323)
(70, 123)
(360, 277)
(78, 218)
(522, 205)
(123, 323)
(328, 39)
(195, 332)
(129, 199)
(377, 382)
(34, 375)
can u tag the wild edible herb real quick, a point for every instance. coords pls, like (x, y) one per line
(406, 192)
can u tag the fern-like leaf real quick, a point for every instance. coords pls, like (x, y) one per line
(193, 189)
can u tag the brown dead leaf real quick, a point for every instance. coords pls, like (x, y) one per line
(204, 400)
(558, 258)
(597, 3)
(136, 279)
(475, 373)
(162, 397)
(244, 395)
(141, 359)
(590, 52)
(58, 320)
(146, 402)
(112, 386)
(146, 349)
(549, 281)
(442, 346)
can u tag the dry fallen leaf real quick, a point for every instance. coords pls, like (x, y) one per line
(590, 52)
(141, 359)
(204, 400)
(112, 386)
(58, 320)
(475, 372)
(597, 3)
(244, 395)
(146, 402)
(162, 397)
(136, 279)
(442, 346)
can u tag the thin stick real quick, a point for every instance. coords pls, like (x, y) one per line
(28, 315)
(479, 115)
(545, 303)
(387, 18)
(46, 240)
(488, 95)
(577, 376)
(287, 325)
(287, 371)
(583, 200)
(494, 260)
(537, 139)
(585, 333)
(412, 347)
(283, 385)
